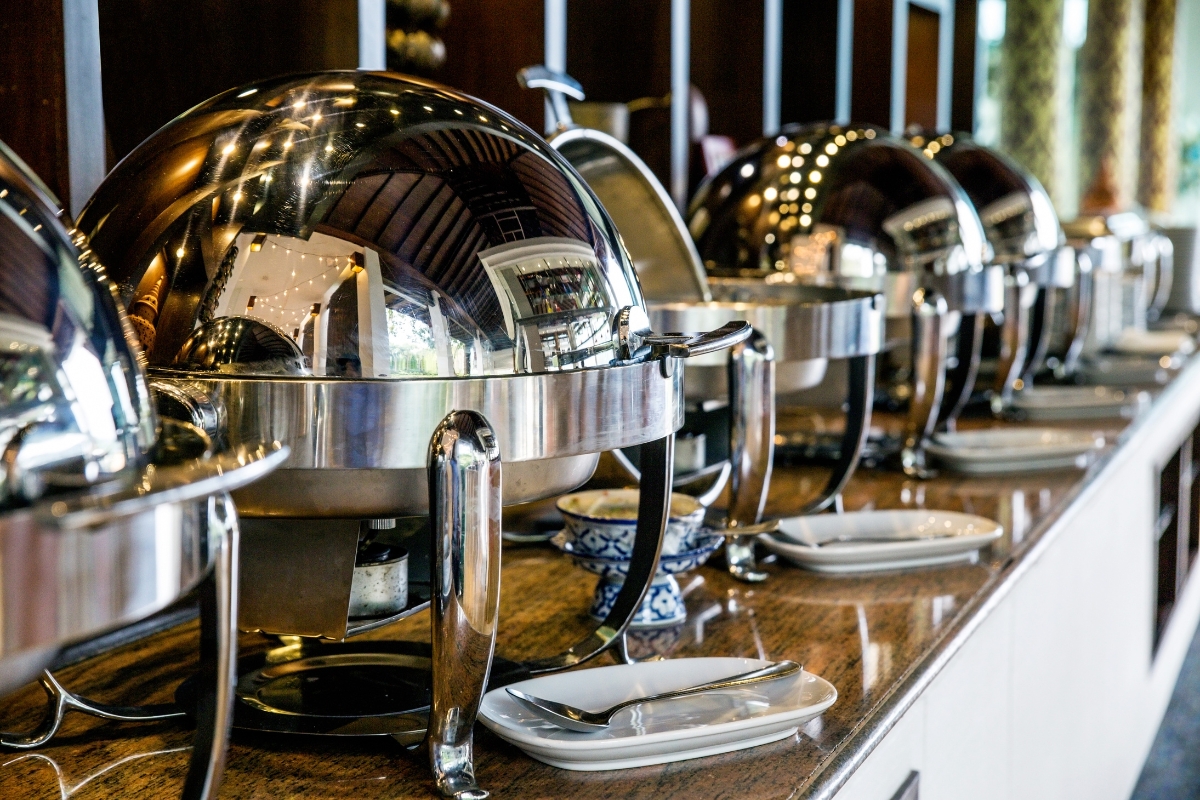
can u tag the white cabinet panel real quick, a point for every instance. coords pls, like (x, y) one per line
(967, 718)
(900, 752)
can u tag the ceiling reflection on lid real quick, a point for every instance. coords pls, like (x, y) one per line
(360, 226)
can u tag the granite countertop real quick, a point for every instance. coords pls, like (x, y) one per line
(875, 638)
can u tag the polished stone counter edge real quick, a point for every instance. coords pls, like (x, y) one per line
(854, 750)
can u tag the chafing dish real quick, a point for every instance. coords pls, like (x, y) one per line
(105, 518)
(404, 285)
(797, 328)
(1125, 271)
(1022, 227)
(852, 206)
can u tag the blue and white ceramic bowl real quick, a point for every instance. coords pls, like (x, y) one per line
(603, 522)
(664, 602)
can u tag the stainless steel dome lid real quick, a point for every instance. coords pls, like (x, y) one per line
(74, 407)
(1016, 211)
(852, 206)
(434, 255)
(360, 225)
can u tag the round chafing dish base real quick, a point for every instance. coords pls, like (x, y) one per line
(379, 688)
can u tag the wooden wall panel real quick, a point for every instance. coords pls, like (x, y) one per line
(727, 65)
(962, 93)
(160, 59)
(921, 78)
(871, 84)
(809, 90)
(487, 41)
(33, 116)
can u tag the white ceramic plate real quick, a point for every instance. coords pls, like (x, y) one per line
(998, 451)
(1078, 402)
(1126, 369)
(657, 733)
(1154, 343)
(958, 538)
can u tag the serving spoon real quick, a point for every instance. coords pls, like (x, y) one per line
(576, 719)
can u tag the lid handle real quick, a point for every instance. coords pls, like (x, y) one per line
(558, 86)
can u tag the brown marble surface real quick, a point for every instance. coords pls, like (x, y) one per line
(867, 635)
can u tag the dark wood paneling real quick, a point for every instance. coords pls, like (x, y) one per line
(487, 41)
(727, 65)
(871, 84)
(921, 78)
(618, 50)
(809, 86)
(160, 59)
(33, 115)
(962, 93)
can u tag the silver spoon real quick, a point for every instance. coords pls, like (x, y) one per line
(576, 719)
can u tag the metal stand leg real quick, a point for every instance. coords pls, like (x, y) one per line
(960, 382)
(861, 393)
(928, 381)
(217, 675)
(751, 449)
(657, 460)
(464, 504)
(1041, 321)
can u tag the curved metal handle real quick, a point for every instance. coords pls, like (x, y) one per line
(928, 378)
(60, 702)
(687, 345)
(200, 477)
(1165, 262)
(1041, 321)
(542, 77)
(861, 393)
(751, 370)
(1014, 337)
(960, 381)
(1080, 312)
(464, 505)
(657, 460)
(558, 87)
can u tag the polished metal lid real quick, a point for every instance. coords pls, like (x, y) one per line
(1017, 214)
(74, 407)
(829, 204)
(348, 225)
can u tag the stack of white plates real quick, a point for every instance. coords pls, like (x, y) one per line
(662, 731)
(999, 451)
(870, 541)
(1154, 343)
(1078, 402)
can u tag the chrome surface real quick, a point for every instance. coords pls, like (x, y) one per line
(576, 719)
(353, 443)
(74, 408)
(218, 666)
(1017, 214)
(464, 500)
(751, 449)
(663, 253)
(828, 204)
(929, 379)
(75, 567)
(347, 225)
(1022, 227)
(801, 322)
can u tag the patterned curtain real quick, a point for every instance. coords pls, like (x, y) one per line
(1029, 65)
(1103, 104)
(1154, 189)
